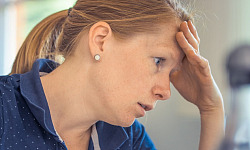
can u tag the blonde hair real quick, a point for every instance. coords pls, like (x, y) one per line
(125, 17)
(40, 43)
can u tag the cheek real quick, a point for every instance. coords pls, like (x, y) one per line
(122, 82)
(125, 84)
(113, 84)
(137, 79)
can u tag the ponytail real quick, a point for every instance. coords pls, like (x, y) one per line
(40, 43)
(60, 32)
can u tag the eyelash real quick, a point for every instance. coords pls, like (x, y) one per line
(161, 60)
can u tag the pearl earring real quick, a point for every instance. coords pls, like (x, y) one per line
(97, 57)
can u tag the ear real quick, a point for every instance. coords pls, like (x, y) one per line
(99, 33)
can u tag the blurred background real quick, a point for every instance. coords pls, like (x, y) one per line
(174, 124)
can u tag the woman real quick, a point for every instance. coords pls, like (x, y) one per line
(120, 57)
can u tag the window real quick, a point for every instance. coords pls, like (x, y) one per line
(17, 18)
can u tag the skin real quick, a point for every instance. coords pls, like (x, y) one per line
(195, 72)
(83, 91)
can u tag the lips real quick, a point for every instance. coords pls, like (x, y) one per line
(146, 107)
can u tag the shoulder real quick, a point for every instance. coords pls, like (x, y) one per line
(8, 92)
(9, 81)
(8, 84)
(4, 85)
(9, 87)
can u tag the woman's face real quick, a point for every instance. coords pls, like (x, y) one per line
(135, 73)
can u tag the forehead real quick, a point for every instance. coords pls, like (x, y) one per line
(160, 42)
(166, 34)
(165, 40)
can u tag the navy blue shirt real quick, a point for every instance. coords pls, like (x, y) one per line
(26, 123)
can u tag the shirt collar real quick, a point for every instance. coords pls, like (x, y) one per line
(110, 137)
(32, 90)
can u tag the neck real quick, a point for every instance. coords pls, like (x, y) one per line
(69, 102)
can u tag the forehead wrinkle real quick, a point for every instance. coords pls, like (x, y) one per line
(169, 43)
(176, 55)
(174, 52)
(179, 62)
(178, 65)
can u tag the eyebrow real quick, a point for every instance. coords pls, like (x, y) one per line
(172, 55)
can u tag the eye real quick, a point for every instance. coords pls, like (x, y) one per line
(159, 60)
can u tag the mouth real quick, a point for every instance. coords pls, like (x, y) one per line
(146, 107)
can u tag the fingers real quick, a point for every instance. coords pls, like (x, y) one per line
(188, 42)
(193, 31)
(190, 52)
(188, 33)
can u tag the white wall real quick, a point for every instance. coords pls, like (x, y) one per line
(8, 38)
(175, 124)
(1, 40)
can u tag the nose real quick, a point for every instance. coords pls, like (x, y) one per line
(162, 92)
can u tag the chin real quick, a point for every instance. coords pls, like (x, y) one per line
(126, 122)
(123, 121)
